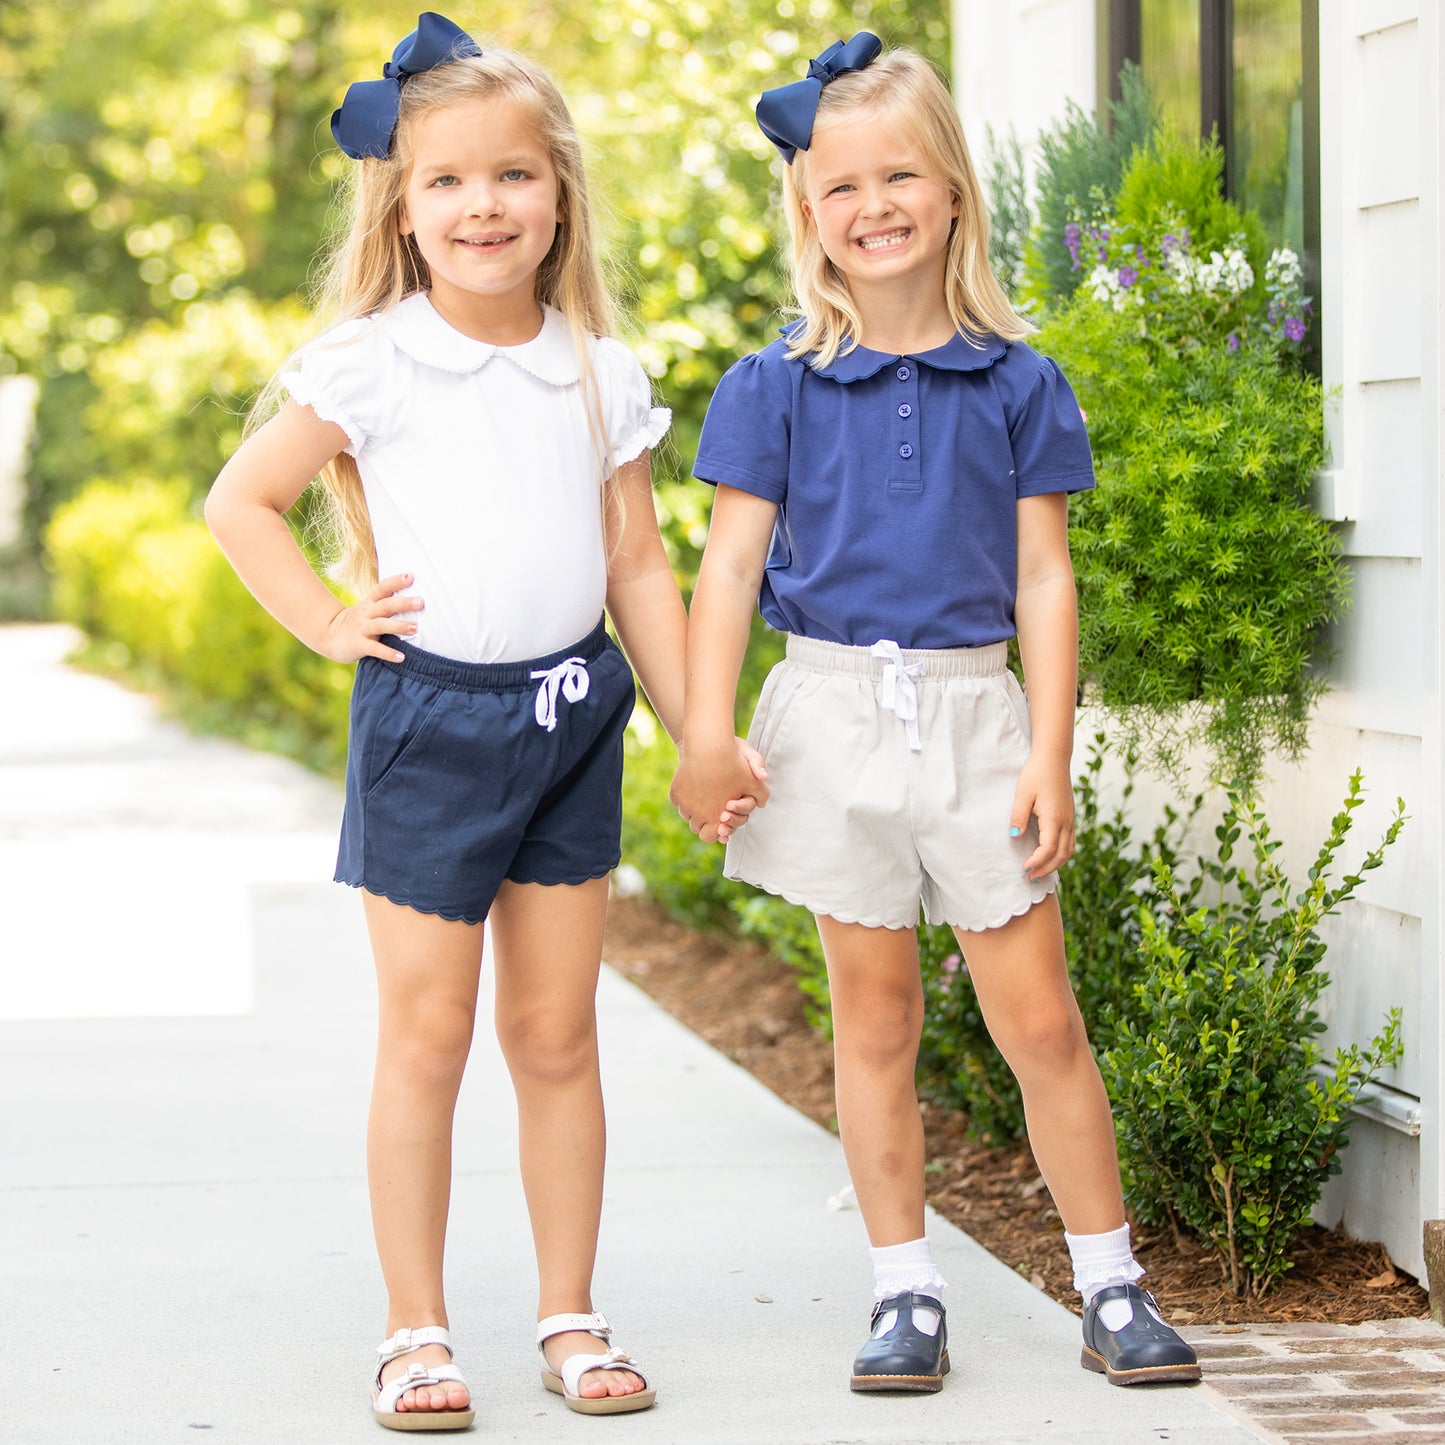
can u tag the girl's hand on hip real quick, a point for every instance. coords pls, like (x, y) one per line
(355, 632)
(1045, 791)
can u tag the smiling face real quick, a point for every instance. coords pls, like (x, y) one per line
(482, 203)
(882, 215)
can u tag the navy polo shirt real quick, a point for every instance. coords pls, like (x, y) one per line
(897, 480)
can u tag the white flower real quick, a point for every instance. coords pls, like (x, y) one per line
(1283, 269)
(1105, 284)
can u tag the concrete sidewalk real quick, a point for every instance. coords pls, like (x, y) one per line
(186, 1027)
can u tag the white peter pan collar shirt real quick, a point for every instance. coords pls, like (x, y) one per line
(482, 476)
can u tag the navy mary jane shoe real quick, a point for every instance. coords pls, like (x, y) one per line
(1146, 1351)
(903, 1357)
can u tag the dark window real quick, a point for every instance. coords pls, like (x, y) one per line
(1248, 72)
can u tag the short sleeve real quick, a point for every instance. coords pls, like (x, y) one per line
(746, 435)
(1047, 434)
(634, 424)
(339, 375)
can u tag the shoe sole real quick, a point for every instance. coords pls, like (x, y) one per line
(430, 1420)
(600, 1404)
(911, 1384)
(1149, 1375)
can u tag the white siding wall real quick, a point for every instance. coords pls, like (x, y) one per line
(1016, 63)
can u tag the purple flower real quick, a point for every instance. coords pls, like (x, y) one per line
(1170, 244)
(1232, 341)
(1294, 328)
(1127, 276)
(1071, 241)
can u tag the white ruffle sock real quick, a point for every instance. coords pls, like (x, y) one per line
(1102, 1260)
(899, 1268)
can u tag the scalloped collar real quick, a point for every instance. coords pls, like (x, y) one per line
(958, 353)
(415, 327)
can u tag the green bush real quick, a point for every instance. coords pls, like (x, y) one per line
(1207, 582)
(1228, 1121)
(683, 875)
(143, 578)
(1080, 165)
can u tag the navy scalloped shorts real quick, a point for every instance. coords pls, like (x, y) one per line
(462, 774)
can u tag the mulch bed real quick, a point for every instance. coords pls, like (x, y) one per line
(746, 1004)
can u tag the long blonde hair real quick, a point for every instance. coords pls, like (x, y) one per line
(371, 265)
(902, 93)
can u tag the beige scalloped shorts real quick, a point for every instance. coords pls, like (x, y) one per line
(892, 776)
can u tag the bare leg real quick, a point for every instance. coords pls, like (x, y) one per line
(1028, 1003)
(427, 970)
(877, 997)
(547, 943)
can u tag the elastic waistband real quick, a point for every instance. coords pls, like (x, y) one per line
(811, 654)
(491, 676)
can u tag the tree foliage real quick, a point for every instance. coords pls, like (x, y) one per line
(168, 173)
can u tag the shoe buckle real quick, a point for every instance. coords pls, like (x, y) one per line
(398, 1344)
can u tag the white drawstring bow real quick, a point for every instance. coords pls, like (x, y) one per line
(570, 677)
(900, 693)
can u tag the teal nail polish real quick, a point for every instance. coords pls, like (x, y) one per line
(1014, 832)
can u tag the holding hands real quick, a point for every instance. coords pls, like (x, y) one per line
(717, 786)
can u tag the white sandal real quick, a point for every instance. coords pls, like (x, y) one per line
(384, 1397)
(564, 1382)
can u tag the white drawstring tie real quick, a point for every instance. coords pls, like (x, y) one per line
(899, 691)
(569, 676)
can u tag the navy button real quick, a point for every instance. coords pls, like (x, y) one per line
(905, 450)
(905, 410)
(904, 373)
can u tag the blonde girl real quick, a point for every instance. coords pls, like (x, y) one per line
(485, 446)
(892, 477)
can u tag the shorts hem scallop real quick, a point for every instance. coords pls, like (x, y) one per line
(877, 921)
(454, 915)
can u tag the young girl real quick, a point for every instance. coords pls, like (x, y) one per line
(891, 481)
(465, 412)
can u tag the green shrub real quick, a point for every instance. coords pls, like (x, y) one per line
(143, 578)
(1107, 882)
(1206, 579)
(1080, 165)
(1228, 1122)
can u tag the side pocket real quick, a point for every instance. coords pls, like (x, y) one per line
(1018, 705)
(772, 705)
(396, 733)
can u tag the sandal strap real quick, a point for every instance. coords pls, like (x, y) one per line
(594, 1324)
(403, 1342)
(415, 1377)
(575, 1366)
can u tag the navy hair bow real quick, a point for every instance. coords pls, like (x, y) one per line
(786, 115)
(364, 123)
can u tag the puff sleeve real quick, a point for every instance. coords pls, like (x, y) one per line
(746, 435)
(1045, 426)
(633, 423)
(342, 376)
